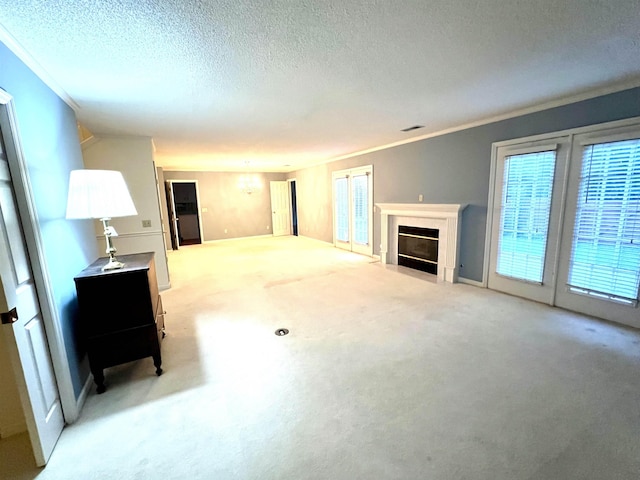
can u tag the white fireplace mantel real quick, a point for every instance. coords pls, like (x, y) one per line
(444, 217)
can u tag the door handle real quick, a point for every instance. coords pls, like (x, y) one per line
(7, 318)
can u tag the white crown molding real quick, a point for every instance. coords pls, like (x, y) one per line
(19, 51)
(559, 102)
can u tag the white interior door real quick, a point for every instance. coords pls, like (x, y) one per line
(23, 329)
(352, 209)
(173, 218)
(280, 208)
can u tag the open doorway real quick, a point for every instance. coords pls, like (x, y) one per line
(294, 206)
(184, 213)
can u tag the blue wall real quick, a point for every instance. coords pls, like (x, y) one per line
(51, 148)
(452, 168)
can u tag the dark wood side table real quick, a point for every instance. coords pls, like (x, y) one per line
(121, 317)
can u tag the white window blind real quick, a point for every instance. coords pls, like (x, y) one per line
(360, 205)
(605, 254)
(524, 215)
(342, 209)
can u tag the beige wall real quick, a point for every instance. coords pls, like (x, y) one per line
(228, 207)
(133, 156)
(314, 199)
(12, 419)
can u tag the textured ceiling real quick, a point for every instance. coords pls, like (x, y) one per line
(271, 85)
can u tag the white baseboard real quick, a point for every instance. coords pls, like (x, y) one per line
(88, 384)
(468, 281)
(13, 429)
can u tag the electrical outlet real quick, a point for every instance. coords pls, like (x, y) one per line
(225, 230)
(205, 209)
(146, 223)
(267, 227)
(420, 197)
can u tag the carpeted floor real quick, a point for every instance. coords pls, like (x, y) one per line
(385, 374)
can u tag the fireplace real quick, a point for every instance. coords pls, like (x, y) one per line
(445, 218)
(418, 248)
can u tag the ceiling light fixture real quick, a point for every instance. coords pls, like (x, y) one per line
(249, 183)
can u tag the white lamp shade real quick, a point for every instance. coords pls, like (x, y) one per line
(98, 194)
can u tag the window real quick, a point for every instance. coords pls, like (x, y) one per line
(342, 209)
(524, 221)
(360, 209)
(605, 253)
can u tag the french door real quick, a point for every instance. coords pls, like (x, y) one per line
(352, 209)
(565, 223)
(600, 250)
(526, 218)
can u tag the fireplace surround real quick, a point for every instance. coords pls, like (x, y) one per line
(446, 218)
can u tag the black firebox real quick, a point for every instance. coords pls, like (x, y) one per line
(418, 248)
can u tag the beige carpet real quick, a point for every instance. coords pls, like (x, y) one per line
(385, 375)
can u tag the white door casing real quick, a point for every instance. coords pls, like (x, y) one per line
(24, 332)
(280, 208)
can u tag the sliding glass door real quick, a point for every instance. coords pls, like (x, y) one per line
(352, 209)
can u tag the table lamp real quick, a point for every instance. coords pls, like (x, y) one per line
(102, 195)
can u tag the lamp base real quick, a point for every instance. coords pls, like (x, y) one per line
(113, 264)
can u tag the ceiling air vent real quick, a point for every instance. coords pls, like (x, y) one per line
(415, 127)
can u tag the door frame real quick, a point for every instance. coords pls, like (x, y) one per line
(171, 181)
(171, 207)
(35, 251)
(570, 135)
(545, 290)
